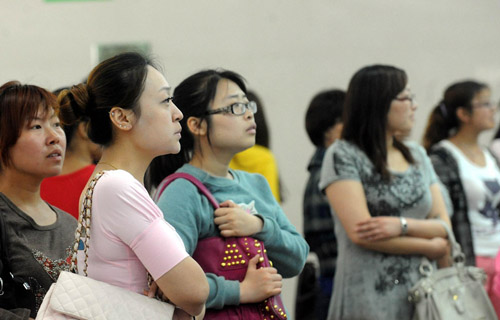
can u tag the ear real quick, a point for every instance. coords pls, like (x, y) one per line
(81, 130)
(197, 126)
(121, 118)
(463, 114)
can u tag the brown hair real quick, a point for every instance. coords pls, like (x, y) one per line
(19, 104)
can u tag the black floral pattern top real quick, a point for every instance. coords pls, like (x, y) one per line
(370, 284)
(37, 253)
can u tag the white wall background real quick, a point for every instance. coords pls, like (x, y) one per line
(287, 50)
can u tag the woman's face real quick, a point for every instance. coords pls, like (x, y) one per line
(401, 114)
(158, 128)
(229, 132)
(39, 151)
(483, 111)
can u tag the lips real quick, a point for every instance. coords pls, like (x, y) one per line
(55, 154)
(252, 128)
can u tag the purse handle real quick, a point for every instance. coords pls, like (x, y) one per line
(84, 226)
(458, 257)
(169, 179)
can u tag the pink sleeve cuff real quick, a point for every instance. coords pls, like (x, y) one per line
(159, 248)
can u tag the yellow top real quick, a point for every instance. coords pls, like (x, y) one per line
(259, 159)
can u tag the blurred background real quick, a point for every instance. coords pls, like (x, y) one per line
(287, 51)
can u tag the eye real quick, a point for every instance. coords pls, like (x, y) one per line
(35, 126)
(168, 99)
(238, 108)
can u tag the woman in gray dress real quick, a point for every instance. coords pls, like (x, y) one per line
(385, 199)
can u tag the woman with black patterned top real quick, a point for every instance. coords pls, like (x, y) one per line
(37, 236)
(383, 195)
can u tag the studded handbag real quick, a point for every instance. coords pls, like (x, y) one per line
(456, 292)
(228, 257)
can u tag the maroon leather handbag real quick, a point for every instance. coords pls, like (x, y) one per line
(228, 257)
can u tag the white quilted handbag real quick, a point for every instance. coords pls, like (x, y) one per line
(78, 297)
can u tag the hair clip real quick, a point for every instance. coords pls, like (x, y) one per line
(442, 108)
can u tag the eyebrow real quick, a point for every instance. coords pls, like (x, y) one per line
(235, 96)
(167, 89)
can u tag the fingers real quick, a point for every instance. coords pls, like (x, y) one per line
(221, 212)
(152, 289)
(228, 204)
(228, 233)
(252, 263)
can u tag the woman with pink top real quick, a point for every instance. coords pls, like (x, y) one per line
(131, 114)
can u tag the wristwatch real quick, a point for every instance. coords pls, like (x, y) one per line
(404, 226)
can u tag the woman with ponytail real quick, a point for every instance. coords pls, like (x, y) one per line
(130, 112)
(467, 169)
(35, 237)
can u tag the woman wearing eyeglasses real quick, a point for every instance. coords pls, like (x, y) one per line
(218, 123)
(467, 169)
(384, 198)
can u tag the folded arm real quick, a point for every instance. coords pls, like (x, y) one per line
(424, 237)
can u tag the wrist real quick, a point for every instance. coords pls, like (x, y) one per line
(404, 226)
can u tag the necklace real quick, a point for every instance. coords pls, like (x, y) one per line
(109, 164)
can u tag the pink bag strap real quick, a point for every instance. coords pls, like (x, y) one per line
(181, 175)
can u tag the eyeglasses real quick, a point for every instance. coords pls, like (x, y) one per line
(487, 105)
(238, 108)
(410, 98)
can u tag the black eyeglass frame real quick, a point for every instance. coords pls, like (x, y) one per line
(251, 105)
(410, 97)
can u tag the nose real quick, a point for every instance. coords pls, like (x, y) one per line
(178, 115)
(54, 136)
(414, 104)
(249, 114)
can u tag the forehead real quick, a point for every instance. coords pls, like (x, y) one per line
(43, 112)
(155, 83)
(484, 93)
(227, 89)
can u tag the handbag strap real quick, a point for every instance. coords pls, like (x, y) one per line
(201, 187)
(456, 252)
(5, 264)
(83, 227)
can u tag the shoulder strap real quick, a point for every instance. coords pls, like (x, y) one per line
(83, 227)
(181, 175)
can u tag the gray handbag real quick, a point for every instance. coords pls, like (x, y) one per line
(455, 293)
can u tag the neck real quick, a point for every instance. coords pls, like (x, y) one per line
(74, 161)
(466, 137)
(21, 189)
(215, 164)
(118, 156)
(389, 142)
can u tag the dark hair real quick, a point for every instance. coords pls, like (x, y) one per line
(443, 118)
(117, 81)
(69, 129)
(368, 101)
(497, 134)
(193, 97)
(19, 104)
(324, 111)
(262, 136)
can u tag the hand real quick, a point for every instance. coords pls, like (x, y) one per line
(180, 314)
(235, 222)
(259, 284)
(378, 228)
(155, 291)
(438, 248)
